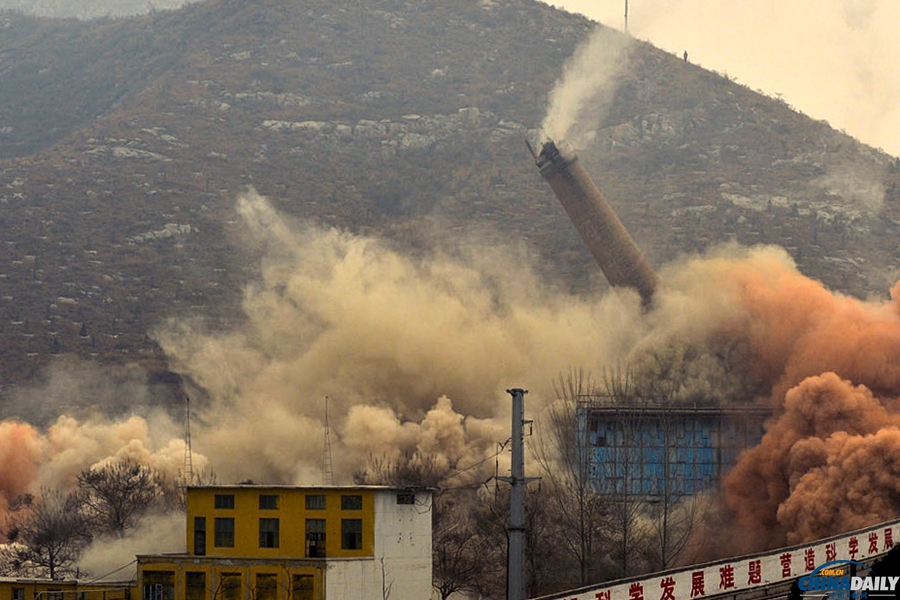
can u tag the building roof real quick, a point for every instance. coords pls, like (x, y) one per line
(82, 584)
(318, 488)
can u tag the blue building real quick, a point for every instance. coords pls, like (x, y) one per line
(656, 451)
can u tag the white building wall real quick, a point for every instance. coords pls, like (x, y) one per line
(351, 579)
(403, 541)
(401, 567)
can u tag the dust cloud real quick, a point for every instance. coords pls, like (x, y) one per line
(825, 464)
(154, 534)
(414, 354)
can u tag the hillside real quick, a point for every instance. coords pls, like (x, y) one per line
(88, 9)
(125, 142)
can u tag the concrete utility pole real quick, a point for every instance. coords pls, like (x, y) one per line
(187, 471)
(515, 570)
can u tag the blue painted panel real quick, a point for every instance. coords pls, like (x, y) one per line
(686, 452)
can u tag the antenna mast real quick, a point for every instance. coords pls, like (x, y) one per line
(188, 468)
(327, 471)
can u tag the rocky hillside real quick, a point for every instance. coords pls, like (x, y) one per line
(125, 142)
(88, 9)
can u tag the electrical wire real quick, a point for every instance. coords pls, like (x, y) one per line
(102, 577)
(479, 463)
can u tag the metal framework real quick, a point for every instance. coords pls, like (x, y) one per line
(653, 450)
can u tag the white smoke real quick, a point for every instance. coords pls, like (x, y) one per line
(584, 92)
(832, 60)
(109, 558)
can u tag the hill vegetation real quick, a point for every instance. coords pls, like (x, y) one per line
(125, 141)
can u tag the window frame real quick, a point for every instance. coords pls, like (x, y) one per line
(224, 536)
(356, 541)
(315, 531)
(191, 588)
(223, 501)
(266, 586)
(312, 501)
(268, 501)
(269, 535)
(351, 502)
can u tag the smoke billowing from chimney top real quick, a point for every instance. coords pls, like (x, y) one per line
(586, 89)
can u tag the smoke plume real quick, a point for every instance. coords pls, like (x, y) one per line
(584, 92)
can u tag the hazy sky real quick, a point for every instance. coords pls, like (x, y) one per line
(837, 60)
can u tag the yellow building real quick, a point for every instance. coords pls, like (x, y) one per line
(258, 542)
(20, 588)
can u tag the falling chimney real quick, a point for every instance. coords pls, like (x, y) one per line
(618, 256)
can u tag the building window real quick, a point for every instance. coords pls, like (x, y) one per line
(268, 533)
(315, 502)
(225, 501)
(351, 502)
(406, 498)
(195, 585)
(159, 585)
(315, 538)
(224, 532)
(200, 536)
(18, 593)
(303, 587)
(266, 586)
(351, 534)
(231, 586)
(268, 501)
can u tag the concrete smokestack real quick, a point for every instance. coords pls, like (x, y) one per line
(618, 256)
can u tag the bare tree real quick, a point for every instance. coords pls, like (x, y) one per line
(117, 495)
(560, 449)
(656, 515)
(411, 469)
(548, 561)
(676, 512)
(622, 472)
(468, 544)
(386, 586)
(11, 564)
(51, 532)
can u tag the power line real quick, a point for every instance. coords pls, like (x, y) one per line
(500, 449)
(102, 577)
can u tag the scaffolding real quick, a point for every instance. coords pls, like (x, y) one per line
(653, 449)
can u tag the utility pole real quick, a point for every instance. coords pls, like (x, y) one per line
(188, 466)
(515, 569)
(626, 16)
